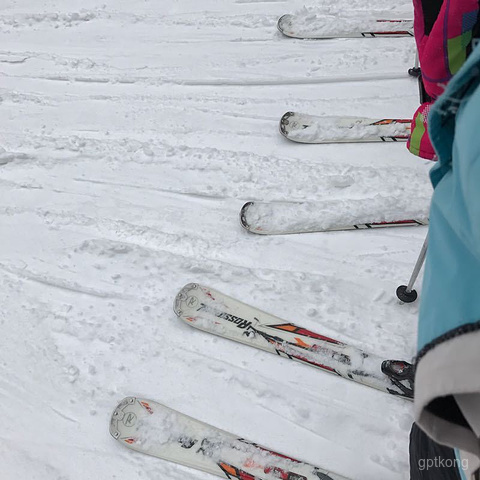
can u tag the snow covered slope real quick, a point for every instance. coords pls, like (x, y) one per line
(131, 134)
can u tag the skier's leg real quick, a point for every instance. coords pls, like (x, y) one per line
(425, 13)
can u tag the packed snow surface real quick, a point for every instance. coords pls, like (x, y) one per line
(131, 134)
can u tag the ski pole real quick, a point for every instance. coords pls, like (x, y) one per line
(415, 70)
(405, 293)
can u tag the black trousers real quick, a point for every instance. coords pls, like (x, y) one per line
(431, 9)
(429, 460)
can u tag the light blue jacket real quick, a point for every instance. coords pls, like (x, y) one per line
(451, 288)
(448, 361)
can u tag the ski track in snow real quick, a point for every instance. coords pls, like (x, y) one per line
(132, 133)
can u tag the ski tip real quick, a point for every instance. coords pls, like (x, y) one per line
(246, 225)
(118, 416)
(284, 122)
(282, 23)
(243, 216)
(182, 297)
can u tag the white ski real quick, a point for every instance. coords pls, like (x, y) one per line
(312, 26)
(303, 128)
(154, 429)
(213, 312)
(282, 218)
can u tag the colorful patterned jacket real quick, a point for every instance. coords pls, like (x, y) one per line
(443, 32)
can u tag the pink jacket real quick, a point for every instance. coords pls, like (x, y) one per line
(442, 50)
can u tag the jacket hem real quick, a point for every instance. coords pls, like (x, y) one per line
(449, 369)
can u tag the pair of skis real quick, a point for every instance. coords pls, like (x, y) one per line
(267, 218)
(304, 128)
(154, 429)
(277, 218)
